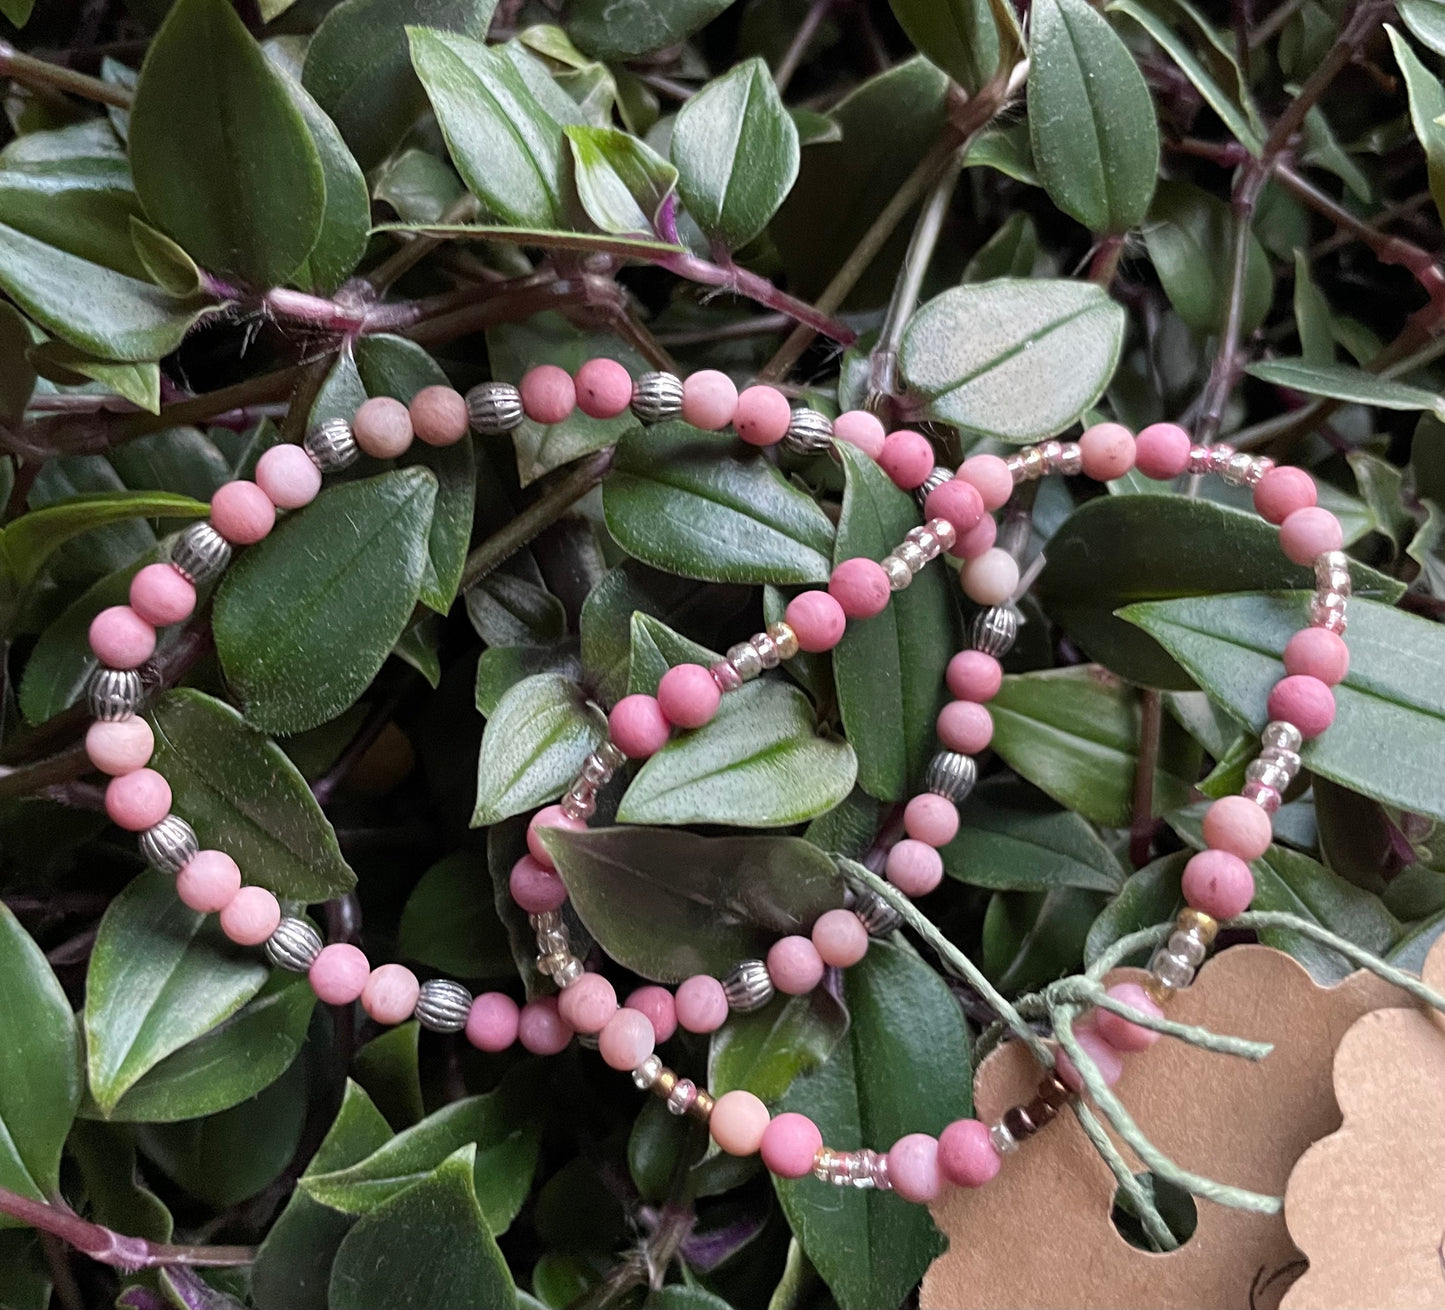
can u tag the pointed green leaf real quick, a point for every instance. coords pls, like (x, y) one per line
(1427, 108)
(622, 182)
(166, 264)
(620, 29)
(1341, 382)
(957, 35)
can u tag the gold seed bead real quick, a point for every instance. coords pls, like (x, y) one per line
(1157, 991)
(701, 1107)
(785, 639)
(1202, 925)
(664, 1083)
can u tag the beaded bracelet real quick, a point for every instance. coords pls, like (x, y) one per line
(1217, 883)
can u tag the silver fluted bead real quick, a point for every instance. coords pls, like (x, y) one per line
(494, 408)
(443, 1005)
(808, 432)
(994, 630)
(332, 445)
(748, 986)
(170, 845)
(294, 945)
(951, 775)
(875, 914)
(932, 482)
(201, 553)
(657, 397)
(1281, 736)
(113, 694)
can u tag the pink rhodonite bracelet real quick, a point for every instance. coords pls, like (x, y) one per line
(1217, 884)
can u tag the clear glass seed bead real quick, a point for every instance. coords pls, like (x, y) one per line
(580, 802)
(1198, 459)
(1035, 465)
(1281, 736)
(1004, 1142)
(170, 845)
(767, 650)
(926, 541)
(552, 940)
(725, 674)
(1269, 799)
(597, 769)
(1015, 465)
(748, 986)
(1052, 453)
(994, 630)
(952, 775)
(494, 408)
(1287, 760)
(1219, 457)
(745, 660)
(1071, 458)
(1172, 970)
(332, 445)
(646, 1073)
(1332, 572)
(294, 945)
(443, 1005)
(784, 638)
(657, 397)
(545, 921)
(1269, 772)
(808, 432)
(200, 553)
(568, 972)
(946, 533)
(1260, 465)
(683, 1094)
(1328, 609)
(1236, 471)
(113, 694)
(899, 574)
(1188, 946)
(611, 755)
(911, 554)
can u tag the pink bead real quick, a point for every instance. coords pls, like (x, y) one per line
(1282, 491)
(840, 938)
(913, 1168)
(972, 675)
(604, 388)
(638, 727)
(251, 916)
(390, 993)
(702, 1005)
(907, 458)
(1304, 701)
(1218, 883)
(121, 639)
(1121, 1033)
(1108, 450)
(817, 620)
(288, 476)
(709, 400)
(1109, 1061)
(1161, 451)
(339, 974)
(242, 513)
(549, 816)
(588, 1003)
(860, 586)
(1308, 533)
(990, 475)
(439, 415)
(548, 393)
(659, 1007)
(541, 1030)
(967, 1156)
(860, 428)
(688, 695)
(977, 540)
(161, 595)
(119, 746)
(958, 502)
(1318, 653)
(138, 800)
(492, 1022)
(794, 965)
(789, 1144)
(914, 867)
(626, 1041)
(965, 726)
(763, 415)
(208, 882)
(738, 1121)
(1238, 826)
(931, 819)
(991, 579)
(536, 888)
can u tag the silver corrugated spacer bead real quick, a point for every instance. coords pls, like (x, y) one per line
(1174, 971)
(646, 1073)
(899, 574)
(684, 1093)
(1281, 736)
(784, 638)
(748, 986)
(1198, 460)
(201, 553)
(1332, 572)
(587, 1041)
(1328, 609)
(875, 914)
(1236, 471)
(1269, 772)
(932, 482)
(1259, 466)
(808, 432)
(767, 649)
(294, 945)
(1004, 1142)
(495, 408)
(745, 660)
(994, 630)
(946, 533)
(443, 1005)
(113, 694)
(1267, 798)
(951, 775)
(656, 397)
(332, 445)
(1071, 458)
(170, 845)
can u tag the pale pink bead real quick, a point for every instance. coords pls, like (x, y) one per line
(1238, 826)
(840, 938)
(931, 819)
(794, 965)
(1161, 451)
(913, 1168)
(762, 416)
(1308, 533)
(492, 1022)
(540, 1029)
(1318, 653)
(709, 400)
(119, 746)
(439, 415)
(288, 476)
(588, 1003)
(161, 595)
(957, 501)
(638, 727)
(536, 888)
(138, 800)
(973, 675)
(965, 726)
(1304, 701)
(121, 639)
(738, 1121)
(1121, 1033)
(390, 993)
(626, 1040)
(549, 816)
(702, 1005)
(251, 916)
(991, 579)
(548, 393)
(990, 475)
(1110, 1063)
(907, 458)
(914, 867)
(1282, 491)
(1108, 451)
(966, 1154)
(242, 513)
(659, 1007)
(604, 388)
(817, 620)
(860, 586)
(339, 974)
(382, 427)
(860, 428)
(1219, 883)
(789, 1144)
(688, 695)
(208, 882)
(977, 540)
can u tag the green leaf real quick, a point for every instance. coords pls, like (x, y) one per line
(304, 619)
(115, 1195)
(166, 264)
(1150, 896)
(18, 12)
(1340, 382)
(1427, 108)
(957, 35)
(667, 904)
(542, 237)
(388, 1068)
(697, 504)
(1311, 315)
(449, 924)
(1016, 359)
(418, 186)
(1381, 485)
(620, 29)
(621, 182)
(1426, 19)
(17, 373)
(1012, 251)
(655, 649)
(79, 203)
(60, 362)
(1091, 118)
(764, 1051)
(760, 763)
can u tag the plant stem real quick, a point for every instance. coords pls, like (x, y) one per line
(406, 256)
(798, 46)
(36, 72)
(1105, 261)
(742, 281)
(1141, 829)
(27, 779)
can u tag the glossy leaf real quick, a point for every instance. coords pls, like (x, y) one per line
(1426, 20)
(449, 924)
(1150, 896)
(60, 362)
(1427, 107)
(621, 182)
(957, 35)
(17, 373)
(80, 203)
(764, 1051)
(655, 649)
(1341, 382)
(115, 1194)
(620, 29)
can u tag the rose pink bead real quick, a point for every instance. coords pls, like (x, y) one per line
(626, 1040)
(390, 993)
(1218, 883)
(288, 476)
(972, 675)
(914, 867)
(990, 475)
(161, 595)
(738, 1122)
(638, 727)
(549, 816)
(382, 427)
(931, 819)
(588, 1003)
(763, 415)
(907, 458)
(439, 415)
(1308, 533)
(548, 393)
(709, 400)
(958, 502)
(659, 1007)
(138, 800)
(794, 965)
(492, 1021)
(977, 540)
(208, 882)
(1238, 826)
(121, 639)
(251, 916)
(541, 1030)
(339, 973)
(535, 887)
(1161, 451)
(840, 938)
(119, 746)
(967, 1155)
(604, 388)
(789, 1144)
(1109, 1061)
(965, 726)
(913, 1168)
(688, 695)
(242, 513)
(991, 579)
(1108, 450)
(1304, 701)
(1118, 1031)
(817, 620)
(1318, 653)
(702, 1005)
(1282, 491)
(860, 428)
(860, 586)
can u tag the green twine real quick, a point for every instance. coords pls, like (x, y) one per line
(1087, 991)
(1140, 1197)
